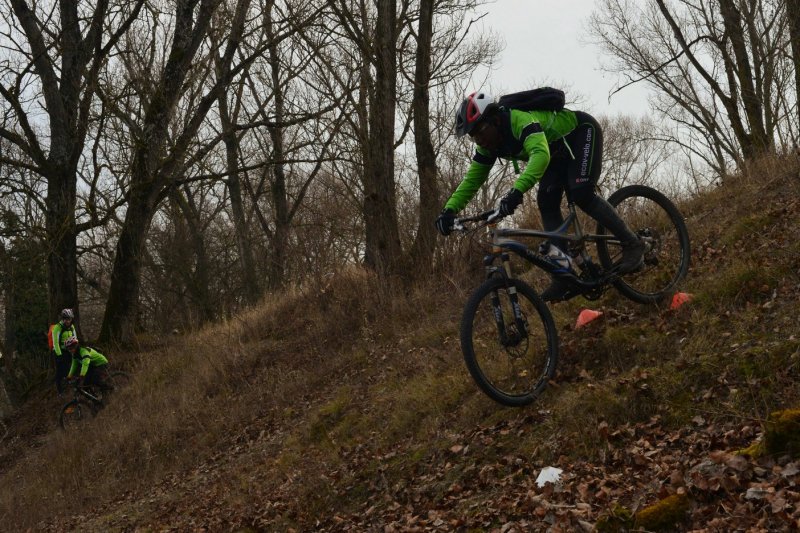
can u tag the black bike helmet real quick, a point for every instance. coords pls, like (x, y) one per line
(472, 111)
(67, 314)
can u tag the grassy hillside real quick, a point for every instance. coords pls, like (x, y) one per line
(348, 407)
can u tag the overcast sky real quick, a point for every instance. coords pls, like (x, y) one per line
(547, 40)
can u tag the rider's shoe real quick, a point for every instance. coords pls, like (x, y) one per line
(556, 292)
(632, 257)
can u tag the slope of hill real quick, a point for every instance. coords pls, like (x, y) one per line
(348, 408)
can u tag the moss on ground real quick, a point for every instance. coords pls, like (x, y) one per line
(666, 514)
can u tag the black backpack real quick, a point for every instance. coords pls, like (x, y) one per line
(541, 99)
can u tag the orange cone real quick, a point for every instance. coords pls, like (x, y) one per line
(586, 316)
(679, 299)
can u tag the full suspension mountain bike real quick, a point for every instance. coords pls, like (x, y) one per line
(508, 336)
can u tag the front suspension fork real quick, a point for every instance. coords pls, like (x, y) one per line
(505, 271)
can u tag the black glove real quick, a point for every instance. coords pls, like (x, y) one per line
(445, 221)
(510, 201)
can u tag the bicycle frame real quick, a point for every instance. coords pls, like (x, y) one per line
(502, 243)
(83, 391)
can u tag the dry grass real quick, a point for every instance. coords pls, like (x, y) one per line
(284, 394)
(313, 359)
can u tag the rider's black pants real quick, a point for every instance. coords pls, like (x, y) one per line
(96, 376)
(63, 363)
(575, 164)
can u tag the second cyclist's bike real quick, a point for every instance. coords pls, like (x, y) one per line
(88, 401)
(508, 336)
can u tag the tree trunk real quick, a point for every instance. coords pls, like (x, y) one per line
(119, 321)
(383, 251)
(147, 183)
(199, 280)
(7, 344)
(277, 264)
(793, 16)
(758, 142)
(425, 242)
(62, 97)
(252, 290)
(62, 259)
(68, 74)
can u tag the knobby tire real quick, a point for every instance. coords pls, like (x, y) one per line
(651, 215)
(75, 413)
(118, 380)
(511, 375)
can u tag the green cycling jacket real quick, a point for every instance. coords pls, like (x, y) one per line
(525, 136)
(83, 359)
(60, 336)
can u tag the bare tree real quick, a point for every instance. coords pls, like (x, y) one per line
(67, 46)
(383, 251)
(446, 51)
(374, 31)
(714, 65)
(422, 65)
(231, 139)
(198, 279)
(274, 95)
(156, 165)
(280, 201)
(739, 71)
(425, 242)
(291, 122)
(793, 16)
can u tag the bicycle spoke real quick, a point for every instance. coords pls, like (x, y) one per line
(75, 414)
(506, 367)
(116, 381)
(658, 223)
(512, 365)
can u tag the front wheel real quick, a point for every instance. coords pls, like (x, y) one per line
(76, 413)
(511, 356)
(659, 224)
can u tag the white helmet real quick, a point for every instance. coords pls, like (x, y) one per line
(473, 109)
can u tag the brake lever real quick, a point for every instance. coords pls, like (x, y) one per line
(495, 216)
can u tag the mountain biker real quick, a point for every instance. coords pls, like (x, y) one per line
(92, 364)
(563, 149)
(61, 333)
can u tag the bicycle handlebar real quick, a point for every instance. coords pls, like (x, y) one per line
(493, 215)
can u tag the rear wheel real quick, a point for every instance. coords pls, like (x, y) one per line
(116, 381)
(511, 359)
(656, 220)
(76, 413)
